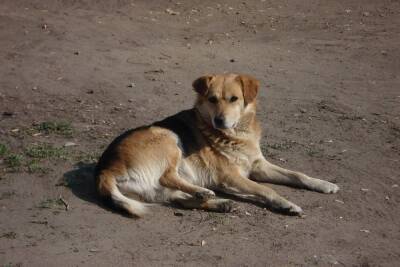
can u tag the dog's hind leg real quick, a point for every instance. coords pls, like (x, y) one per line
(172, 180)
(264, 171)
(215, 204)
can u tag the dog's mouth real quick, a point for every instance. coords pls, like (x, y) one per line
(221, 127)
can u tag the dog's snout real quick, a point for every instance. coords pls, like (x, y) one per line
(219, 121)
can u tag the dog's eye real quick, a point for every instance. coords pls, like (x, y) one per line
(233, 99)
(213, 99)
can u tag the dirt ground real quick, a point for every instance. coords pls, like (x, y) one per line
(74, 74)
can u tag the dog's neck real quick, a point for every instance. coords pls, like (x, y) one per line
(246, 127)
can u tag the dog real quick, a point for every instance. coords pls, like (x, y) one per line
(184, 158)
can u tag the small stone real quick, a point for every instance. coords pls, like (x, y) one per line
(178, 213)
(90, 92)
(366, 14)
(364, 189)
(171, 12)
(395, 185)
(247, 213)
(131, 85)
(232, 60)
(365, 231)
(76, 53)
(203, 243)
(68, 144)
(339, 201)
(331, 259)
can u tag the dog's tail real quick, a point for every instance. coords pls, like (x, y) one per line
(107, 187)
(133, 207)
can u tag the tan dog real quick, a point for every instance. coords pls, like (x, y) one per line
(214, 146)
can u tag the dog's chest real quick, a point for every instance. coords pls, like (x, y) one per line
(241, 155)
(209, 164)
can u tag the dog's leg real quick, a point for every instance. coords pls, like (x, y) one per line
(215, 204)
(242, 187)
(171, 179)
(264, 171)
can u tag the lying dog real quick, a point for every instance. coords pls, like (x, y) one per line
(214, 146)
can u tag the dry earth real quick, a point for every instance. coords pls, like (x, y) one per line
(78, 73)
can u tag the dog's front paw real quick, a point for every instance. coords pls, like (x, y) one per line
(293, 209)
(227, 206)
(285, 206)
(204, 194)
(328, 188)
(221, 205)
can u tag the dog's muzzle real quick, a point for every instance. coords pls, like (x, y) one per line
(219, 123)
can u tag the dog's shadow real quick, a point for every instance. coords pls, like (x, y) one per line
(81, 182)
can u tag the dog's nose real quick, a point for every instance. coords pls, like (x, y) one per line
(218, 121)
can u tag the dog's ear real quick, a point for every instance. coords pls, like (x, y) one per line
(202, 84)
(249, 86)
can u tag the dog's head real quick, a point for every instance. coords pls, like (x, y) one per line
(224, 99)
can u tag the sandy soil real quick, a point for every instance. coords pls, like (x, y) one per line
(77, 73)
